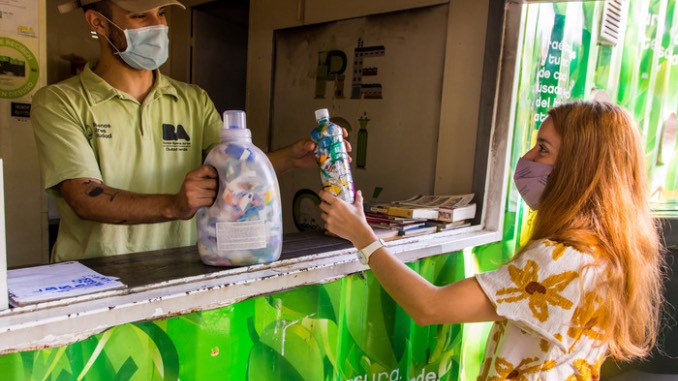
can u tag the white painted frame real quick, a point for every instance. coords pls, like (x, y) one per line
(3, 243)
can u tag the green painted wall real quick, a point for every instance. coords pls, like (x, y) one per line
(345, 330)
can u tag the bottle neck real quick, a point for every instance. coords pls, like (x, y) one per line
(235, 134)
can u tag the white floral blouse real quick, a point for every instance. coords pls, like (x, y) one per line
(550, 300)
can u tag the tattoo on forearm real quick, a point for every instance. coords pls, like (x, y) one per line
(95, 189)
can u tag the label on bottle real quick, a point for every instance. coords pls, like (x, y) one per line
(245, 235)
(332, 158)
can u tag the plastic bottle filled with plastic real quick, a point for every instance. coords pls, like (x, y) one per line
(244, 225)
(332, 157)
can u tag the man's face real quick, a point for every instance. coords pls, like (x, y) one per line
(129, 20)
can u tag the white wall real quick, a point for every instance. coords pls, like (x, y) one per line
(3, 247)
(462, 77)
(25, 203)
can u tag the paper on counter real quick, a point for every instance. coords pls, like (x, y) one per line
(56, 281)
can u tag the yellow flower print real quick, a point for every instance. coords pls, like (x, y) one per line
(586, 371)
(586, 317)
(498, 331)
(559, 249)
(507, 371)
(501, 328)
(544, 345)
(485, 368)
(539, 293)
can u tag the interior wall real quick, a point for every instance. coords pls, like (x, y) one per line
(462, 79)
(68, 40)
(23, 34)
(219, 51)
(380, 77)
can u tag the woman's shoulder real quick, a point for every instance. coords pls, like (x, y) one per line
(555, 251)
(552, 257)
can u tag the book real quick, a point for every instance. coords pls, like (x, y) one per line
(418, 231)
(379, 209)
(386, 234)
(444, 226)
(56, 281)
(461, 213)
(437, 201)
(412, 212)
(383, 217)
(429, 207)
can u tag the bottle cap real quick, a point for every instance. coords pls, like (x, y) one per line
(322, 113)
(234, 119)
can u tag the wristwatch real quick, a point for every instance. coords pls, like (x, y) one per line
(365, 253)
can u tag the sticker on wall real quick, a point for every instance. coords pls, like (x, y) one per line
(361, 156)
(20, 110)
(332, 68)
(18, 69)
(18, 17)
(306, 212)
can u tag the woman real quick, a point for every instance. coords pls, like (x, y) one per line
(586, 286)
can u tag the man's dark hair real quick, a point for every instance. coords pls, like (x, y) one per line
(102, 6)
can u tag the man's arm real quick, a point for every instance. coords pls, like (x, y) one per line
(93, 200)
(300, 154)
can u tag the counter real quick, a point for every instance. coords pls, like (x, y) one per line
(166, 283)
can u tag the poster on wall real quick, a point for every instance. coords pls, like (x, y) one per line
(18, 69)
(19, 18)
(380, 77)
(18, 64)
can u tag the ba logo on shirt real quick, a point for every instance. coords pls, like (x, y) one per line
(175, 138)
(169, 132)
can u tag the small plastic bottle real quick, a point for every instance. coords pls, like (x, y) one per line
(244, 225)
(332, 157)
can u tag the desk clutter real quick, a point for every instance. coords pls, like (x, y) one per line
(420, 214)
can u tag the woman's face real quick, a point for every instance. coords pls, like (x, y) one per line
(545, 151)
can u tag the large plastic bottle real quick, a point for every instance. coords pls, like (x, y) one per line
(244, 225)
(332, 157)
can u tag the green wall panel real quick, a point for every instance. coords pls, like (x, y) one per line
(349, 329)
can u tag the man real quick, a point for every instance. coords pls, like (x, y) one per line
(121, 145)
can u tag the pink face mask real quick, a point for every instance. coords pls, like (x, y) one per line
(530, 178)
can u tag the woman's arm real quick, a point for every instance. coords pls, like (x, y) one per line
(462, 301)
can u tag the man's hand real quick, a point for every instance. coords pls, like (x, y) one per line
(199, 189)
(299, 154)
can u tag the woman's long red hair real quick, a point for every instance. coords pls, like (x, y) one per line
(597, 195)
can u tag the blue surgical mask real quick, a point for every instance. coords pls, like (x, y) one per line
(147, 47)
(530, 178)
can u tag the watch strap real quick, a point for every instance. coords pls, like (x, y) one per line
(368, 250)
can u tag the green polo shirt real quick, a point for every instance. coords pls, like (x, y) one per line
(86, 128)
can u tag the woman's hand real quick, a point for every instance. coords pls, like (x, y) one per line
(346, 220)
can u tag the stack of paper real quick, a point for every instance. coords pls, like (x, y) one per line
(56, 281)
